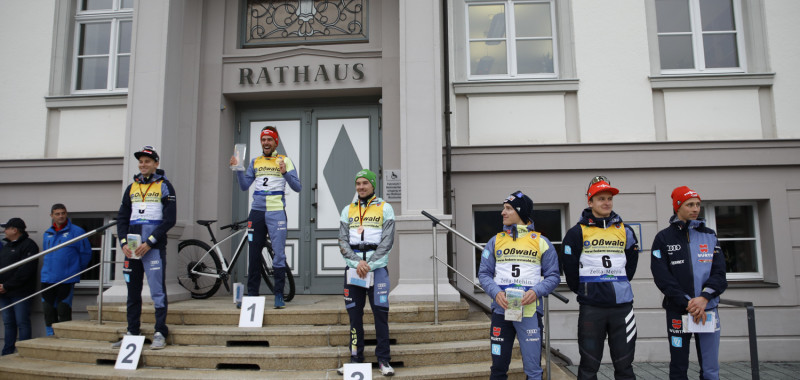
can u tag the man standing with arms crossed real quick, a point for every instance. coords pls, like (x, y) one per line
(63, 263)
(366, 236)
(270, 172)
(689, 268)
(148, 210)
(518, 257)
(600, 257)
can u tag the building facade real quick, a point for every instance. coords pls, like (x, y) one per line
(456, 103)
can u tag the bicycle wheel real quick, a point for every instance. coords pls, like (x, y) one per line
(267, 273)
(190, 253)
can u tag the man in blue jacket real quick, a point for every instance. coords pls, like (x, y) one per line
(518, 257)
(600, 258)
(148, 210)
(61, 264)
(689, 268)
(269, 174)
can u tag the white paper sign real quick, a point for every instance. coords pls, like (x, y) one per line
(358, 371)
(709, 327)
(129, 352)
(353, 279)
(252, 312)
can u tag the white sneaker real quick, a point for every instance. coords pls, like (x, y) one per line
(159, 342)
(118, 343)
(386, 369)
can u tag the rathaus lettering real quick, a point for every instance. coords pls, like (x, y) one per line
(299, 74)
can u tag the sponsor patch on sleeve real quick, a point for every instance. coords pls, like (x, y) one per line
(657, 253)
(486, 254)
(567, 250)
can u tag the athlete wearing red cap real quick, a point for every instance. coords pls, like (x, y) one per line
(688, 266)
(600, 257)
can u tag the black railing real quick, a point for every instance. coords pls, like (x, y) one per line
(751, 332)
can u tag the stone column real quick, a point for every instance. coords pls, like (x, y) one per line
(420, 153)
(162, 100)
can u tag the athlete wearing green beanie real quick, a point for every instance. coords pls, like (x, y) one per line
(369, 175)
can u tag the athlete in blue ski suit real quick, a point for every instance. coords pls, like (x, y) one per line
(149, 210)
(270, 172)
(522, 258)
(688, 266)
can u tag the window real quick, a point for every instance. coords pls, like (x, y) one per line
(102, 244)
(697, 36)
(737, 230)
(511, 39)
(102, 46)
(547, 219)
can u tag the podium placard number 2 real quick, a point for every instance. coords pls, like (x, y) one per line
(252, 314)
(358, 371)
(129, 353)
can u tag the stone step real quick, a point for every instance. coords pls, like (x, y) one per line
(262, 358)
(303, 310)
(17, 367)
(476, 326)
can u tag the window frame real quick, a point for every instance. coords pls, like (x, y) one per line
(698, 51)
(511, 39)
(108, 247)
(709, 214)
(115, 15)
(563, 208)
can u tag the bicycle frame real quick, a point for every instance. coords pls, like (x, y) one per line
(218, 252)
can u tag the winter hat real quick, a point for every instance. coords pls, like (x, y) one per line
(148, 151)
(680, 195)
(271, 132)
(522, 204)
(369, 175)
(600, 186)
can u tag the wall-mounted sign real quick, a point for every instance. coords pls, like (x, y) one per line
(391, 185)
(267, 75)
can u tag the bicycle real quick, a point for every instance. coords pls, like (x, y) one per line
(206, 267)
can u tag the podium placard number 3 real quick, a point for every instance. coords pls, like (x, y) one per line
(252, 314)
(129, 353)
(358, 371)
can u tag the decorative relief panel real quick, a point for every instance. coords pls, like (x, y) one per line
(276, 22)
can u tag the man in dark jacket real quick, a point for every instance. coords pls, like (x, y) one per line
(17, 283)
(689, 268)
(600, 257)
(147, 212)
(61, 264)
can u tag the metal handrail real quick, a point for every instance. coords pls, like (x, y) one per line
(436, 260)
(751, 332)
(64, 244)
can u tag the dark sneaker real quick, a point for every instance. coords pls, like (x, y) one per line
(279, 304)
(386, 369)
(158, 342)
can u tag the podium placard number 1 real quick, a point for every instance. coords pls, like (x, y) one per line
(358, 371)
(129, 352)
(252, 314)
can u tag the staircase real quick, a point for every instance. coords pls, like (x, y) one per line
(307, 340)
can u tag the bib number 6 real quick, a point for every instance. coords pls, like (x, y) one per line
(606, 261)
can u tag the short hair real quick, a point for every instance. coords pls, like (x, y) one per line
(58, 206)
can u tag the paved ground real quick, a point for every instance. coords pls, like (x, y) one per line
(728, 371)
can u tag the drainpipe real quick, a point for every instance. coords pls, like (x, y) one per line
(448, 185)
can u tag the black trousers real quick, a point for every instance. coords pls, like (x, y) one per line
(56, 305)
(594, 324)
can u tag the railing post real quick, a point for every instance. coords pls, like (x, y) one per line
(435, 279)
(547, 333)
(100, 290)
(751, 329)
